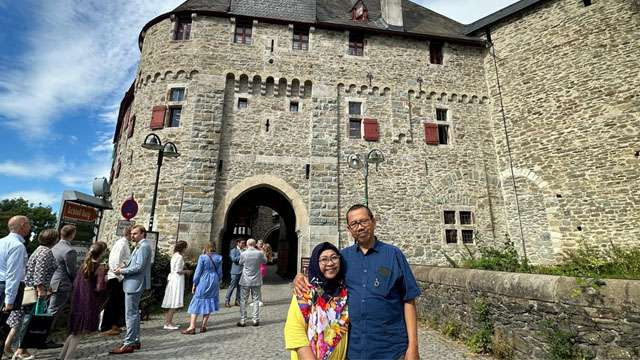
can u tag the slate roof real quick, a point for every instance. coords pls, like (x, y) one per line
(500, 15)
(418, 21)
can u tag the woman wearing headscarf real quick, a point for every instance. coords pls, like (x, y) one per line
(317, 322)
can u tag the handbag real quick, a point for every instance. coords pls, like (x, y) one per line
(30, 296)
(38, 327)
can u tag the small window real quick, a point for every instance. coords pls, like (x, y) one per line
(467, 236)
(355, 128)
(443, 126)
(293, 106)
(356, 43)
(183, 28)
(449, 217)
(360, 12)
(174, 116)
(441, 114)
(301, 39)
(451, 236)
(466, 218)
(242, 103)
(177, 94)
(443, 134)
(435, 53)
(355, 108)
(243, 32)
(586, 2)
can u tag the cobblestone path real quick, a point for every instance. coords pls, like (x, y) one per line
(224, 340)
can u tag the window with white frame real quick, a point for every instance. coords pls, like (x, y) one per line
(459, 226)
(444, 126)
(176, 100)
(355, 119)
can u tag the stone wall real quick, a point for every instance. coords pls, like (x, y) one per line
(569, 85)
(226, 150)
(604, 320)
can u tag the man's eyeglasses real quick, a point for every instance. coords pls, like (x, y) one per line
(329, 259)
(354, 225)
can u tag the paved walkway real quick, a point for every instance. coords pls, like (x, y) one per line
(224, 340)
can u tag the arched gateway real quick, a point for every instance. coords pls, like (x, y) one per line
(264, 207)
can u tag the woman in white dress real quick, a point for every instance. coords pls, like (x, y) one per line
(174, 293)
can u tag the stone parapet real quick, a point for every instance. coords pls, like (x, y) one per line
(604, 320)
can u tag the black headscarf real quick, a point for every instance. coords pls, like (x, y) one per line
(331, 287)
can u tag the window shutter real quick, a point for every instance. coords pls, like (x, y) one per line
(431, 133)
(371, 132)
(157, 117)
(132, 124)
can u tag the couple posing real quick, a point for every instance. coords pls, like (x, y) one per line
(358, 303)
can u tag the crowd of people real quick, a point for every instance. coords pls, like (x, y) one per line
(355, 303)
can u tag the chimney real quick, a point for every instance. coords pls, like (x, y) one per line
(392, 12)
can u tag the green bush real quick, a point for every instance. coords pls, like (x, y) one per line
(480, 341)
(451, 329)
(586, 261)
(561, 342)
(152, 299)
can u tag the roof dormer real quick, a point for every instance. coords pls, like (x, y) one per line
(359, 12)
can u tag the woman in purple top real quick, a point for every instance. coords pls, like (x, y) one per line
(87, 299)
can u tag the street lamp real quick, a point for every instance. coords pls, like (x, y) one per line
(355, 161)
(152, 142)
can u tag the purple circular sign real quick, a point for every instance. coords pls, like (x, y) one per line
(129, 209)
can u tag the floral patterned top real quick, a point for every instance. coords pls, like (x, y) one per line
(40, 267)
(326, 317)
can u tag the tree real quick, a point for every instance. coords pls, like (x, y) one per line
(41, 217)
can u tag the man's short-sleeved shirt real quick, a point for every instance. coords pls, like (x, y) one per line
(379, 283)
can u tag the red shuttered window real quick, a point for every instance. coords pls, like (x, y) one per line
(431, 134)
(157, 117)
(371, 131)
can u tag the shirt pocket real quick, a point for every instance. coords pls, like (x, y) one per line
(380, 282)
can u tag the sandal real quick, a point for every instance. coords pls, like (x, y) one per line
(188, 332)
(203, 329)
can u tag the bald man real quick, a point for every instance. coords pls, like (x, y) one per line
(13, 259)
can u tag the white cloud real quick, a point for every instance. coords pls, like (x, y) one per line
(465, 11)
(34, 196)
(85, 54)
(38, 168)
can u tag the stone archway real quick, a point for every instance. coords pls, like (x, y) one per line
(239, 204)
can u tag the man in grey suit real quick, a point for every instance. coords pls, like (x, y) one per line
(236, 272)
(250, 281)
(62, 279)
(137, 278)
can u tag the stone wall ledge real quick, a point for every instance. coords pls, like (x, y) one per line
(614, 293)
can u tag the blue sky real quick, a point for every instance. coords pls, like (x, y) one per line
(64, 67)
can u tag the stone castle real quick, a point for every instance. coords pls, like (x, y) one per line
(522, 125)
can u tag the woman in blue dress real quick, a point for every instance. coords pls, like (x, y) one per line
(206, 287)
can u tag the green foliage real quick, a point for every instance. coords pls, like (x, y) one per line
(501, 348)
(480, 341)
(451, 329)
(586, 261)
(561, 342)
(152, 298)
(42, 217)
(598, 263)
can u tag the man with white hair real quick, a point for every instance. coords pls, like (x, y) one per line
(13, 259)
(250, 282)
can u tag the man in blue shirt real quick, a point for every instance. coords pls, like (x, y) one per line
(381, 294)
(13, 259)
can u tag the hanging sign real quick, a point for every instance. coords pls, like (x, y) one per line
(76, 212)
(129, 208)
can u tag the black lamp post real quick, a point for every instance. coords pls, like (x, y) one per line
(152, 142)
(355, 161)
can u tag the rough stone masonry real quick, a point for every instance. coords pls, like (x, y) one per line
(257, 111)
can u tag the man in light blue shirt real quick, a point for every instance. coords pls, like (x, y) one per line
(13, 259)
